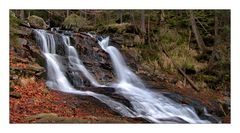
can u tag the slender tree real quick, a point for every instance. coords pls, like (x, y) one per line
(216, 27)
(22, 15)
(200, 42)
(143, 29)
(120, 15)
(68, 13)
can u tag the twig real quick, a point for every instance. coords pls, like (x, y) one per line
(201, 25)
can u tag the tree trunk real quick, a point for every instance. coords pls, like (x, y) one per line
(143, 29)
(120, 16)
(67, 13)
(133, 20)
(200, 42)
(29, 13)
(85, 14)
(216, 27)
(195, 87)
(149, 32)
(22, 15)
(162, 16)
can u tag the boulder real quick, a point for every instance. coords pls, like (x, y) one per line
(25, 31)
(74, 22)
(21, 41)
(120, 28)
(138, 40)
(37, 22)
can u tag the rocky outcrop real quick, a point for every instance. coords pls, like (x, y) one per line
(37, 22)
(94, 58)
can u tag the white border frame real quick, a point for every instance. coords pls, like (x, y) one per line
(120, 4)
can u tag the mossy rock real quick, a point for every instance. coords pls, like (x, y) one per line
(37, 22)
(120, 28)
(74, 22)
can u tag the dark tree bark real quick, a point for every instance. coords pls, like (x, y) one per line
(200, 42)
(216, 27)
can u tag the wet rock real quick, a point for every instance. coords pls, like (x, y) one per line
(108, 91)
(199, 107)
(37, 22)
(93, 57)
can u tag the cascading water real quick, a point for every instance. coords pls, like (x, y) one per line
(57, 79)
(146, 104)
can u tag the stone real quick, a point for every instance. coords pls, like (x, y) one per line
(21, 41)
(26, 81)
(95, 49)
(74, 22)
(25, 31)
(138, 40)
(37, 22)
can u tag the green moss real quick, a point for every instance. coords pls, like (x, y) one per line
(15, 95)
(74, 22)
(37, 22)
(207, 78)
(11, 89)
(14, 25)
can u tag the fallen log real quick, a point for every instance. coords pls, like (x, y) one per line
(181, 71)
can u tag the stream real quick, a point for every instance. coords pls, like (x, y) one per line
(145, 103)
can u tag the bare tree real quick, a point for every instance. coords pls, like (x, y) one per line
(162, 16)
(22, 15)
(143, 29)
(200, 42)
(120, 15)
(68, 13)
(216, 27)
(148, 33)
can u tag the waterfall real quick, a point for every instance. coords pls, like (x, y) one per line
(147, 104)
(57, 79)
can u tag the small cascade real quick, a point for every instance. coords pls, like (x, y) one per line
(147, 104)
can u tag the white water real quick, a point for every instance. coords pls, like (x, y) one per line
(147, 104)
(57, 79)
